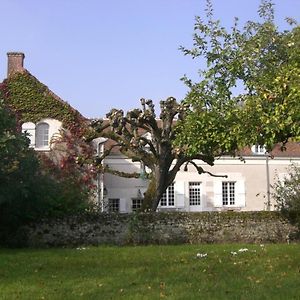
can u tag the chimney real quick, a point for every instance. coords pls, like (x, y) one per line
(15, 63)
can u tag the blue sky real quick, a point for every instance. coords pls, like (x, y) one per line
(98, 54)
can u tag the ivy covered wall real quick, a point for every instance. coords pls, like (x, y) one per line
(33, 101)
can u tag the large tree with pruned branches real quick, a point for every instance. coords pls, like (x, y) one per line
(214, 119)
(143, 137)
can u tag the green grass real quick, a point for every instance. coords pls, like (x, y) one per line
(152, 272)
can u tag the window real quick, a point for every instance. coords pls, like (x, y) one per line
(42, 135)
(113, 205)
(168, 198)
(258, 149)
(195, 193)
(136, 204)
(228, 193)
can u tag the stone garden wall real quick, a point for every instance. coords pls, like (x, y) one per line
(160, 228)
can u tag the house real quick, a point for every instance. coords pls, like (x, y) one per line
(248, 186)
(41, 113)
(51, 124)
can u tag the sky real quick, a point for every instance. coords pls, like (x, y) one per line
(99, 54)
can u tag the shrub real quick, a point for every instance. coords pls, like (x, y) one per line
(287, 195)
(29, 190)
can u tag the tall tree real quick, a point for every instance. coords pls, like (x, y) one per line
(247, 94)
(18, 173)
(139, 135)
(257, 68)
(30, 189)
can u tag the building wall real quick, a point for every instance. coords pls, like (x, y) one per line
(250, 178)
(121, 188)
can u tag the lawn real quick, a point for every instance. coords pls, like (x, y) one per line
(232, 271)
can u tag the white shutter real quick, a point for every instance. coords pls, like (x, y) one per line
(123, 202)
(218, 202)
(240, 193)
(29, 128)
(179, 193)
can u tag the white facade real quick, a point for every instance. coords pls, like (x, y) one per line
(248, 186)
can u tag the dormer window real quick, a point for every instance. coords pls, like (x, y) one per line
(42, 135)
(258, 149)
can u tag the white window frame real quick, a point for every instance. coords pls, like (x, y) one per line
(32, 131)
(168, 197)
(195, 198)
(113, 205)
(229, 193)
(258, 149)
(42, 136)
(136, 204)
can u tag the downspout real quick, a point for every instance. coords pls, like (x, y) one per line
(100, 177)
(268, 182)
(100, 181)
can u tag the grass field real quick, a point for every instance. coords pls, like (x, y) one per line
(152, 272)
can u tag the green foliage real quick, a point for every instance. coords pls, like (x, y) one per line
(287, 195)
(28, 190)
(249, 91)
(33, 101)
(18, 173)
(12, 145)
(42, 184)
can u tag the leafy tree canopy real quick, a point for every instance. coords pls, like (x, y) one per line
(250, 83)
(247, 94)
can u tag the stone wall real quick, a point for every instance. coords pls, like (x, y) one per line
(160, 228)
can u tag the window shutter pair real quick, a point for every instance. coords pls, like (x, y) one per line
(240, 193)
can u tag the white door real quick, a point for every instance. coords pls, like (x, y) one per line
(195, 197)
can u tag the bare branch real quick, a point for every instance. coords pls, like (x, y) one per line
(201, 171)
(107, 169)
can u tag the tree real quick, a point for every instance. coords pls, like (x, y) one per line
(32, 187)
(287, 195)
(50, 183)
(248, 94)
(66, 163)
(18, 172)
(142, 137)
(257, 69)
(16, 159)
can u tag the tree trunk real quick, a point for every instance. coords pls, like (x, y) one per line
(149, 195)
(159, 182)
